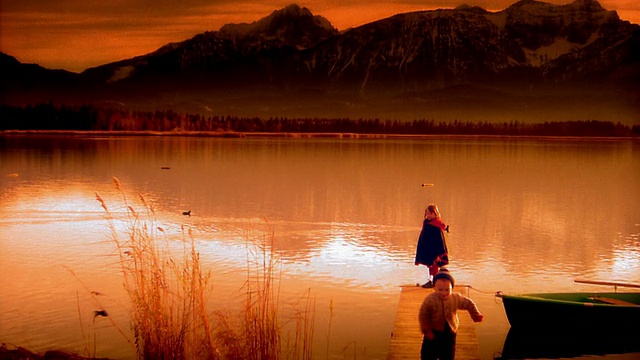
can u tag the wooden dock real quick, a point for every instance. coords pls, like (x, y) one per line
(406, 338)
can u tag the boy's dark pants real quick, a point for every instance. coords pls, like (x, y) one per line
(442, 347)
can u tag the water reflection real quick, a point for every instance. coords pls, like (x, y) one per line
(555, 344)
(525, 216)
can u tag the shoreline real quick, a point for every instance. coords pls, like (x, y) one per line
(311, 135)
(20, 353)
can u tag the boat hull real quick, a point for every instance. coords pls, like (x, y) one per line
(573, 310)
(523, 343)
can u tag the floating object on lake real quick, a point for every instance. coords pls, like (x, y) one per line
(165, 168)
(187, 213)
(427, 184)
(102, 312)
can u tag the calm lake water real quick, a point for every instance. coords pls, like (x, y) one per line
(525, 216)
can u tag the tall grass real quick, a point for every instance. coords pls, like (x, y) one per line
(170, 297)
(264, 330)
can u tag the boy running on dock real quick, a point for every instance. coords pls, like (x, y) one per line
(439, 319)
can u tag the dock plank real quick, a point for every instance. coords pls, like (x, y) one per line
(406, 338)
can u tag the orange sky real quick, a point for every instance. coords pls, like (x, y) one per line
(77, 34)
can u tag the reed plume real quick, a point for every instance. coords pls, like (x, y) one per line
(169, 295)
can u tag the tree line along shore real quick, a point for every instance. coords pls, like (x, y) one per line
(89, 118)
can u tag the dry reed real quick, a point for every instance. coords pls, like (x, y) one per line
(170, 317)
(259, 333)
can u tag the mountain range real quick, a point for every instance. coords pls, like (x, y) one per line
(532, 62)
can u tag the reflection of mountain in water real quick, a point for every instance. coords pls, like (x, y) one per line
(568, 343)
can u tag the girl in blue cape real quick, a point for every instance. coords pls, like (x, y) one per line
(432, 246)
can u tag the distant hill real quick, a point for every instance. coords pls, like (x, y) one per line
(532, 61)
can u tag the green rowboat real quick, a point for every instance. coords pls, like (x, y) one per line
(612, 310)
